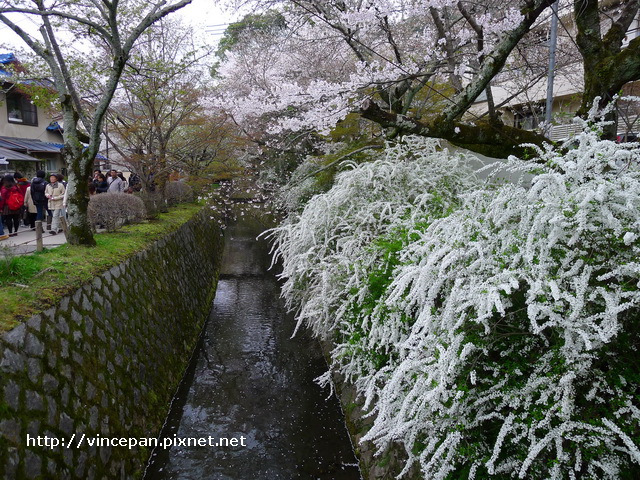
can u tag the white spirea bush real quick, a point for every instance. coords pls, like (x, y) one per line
(326, 249)
(493, 331)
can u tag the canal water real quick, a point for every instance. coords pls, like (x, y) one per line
(250, 381)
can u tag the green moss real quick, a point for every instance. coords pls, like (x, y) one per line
(384, 460)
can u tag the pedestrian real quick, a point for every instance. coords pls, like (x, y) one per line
(55, 194)
(13, 200)
(125, 183)
(115, 183)
(61, 179)
(31, 209)
(2, 235)
(22, 182)
(102, 186)
(134, 181)
(38, 186)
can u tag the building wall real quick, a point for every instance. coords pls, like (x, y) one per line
(51, 162)
(40, 131)
(106, 360)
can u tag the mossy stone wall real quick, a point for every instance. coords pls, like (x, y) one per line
(106, 360)
(373, 464)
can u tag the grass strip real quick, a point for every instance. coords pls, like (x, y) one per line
(32, 283)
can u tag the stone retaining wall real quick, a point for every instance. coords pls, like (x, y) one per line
(387, 464)
(373, 465)
(106, 361)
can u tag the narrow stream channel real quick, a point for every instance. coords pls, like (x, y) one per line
(250, 381)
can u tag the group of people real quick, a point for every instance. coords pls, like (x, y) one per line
(31, 201)
(114, 183)
(21, 199)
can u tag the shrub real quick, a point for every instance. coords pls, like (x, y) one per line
(321, 246)
(201, 185)
(153, 203)
(115, 209)
(178, 192)
(490, 329)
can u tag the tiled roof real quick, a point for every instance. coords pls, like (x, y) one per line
(13, 155)
(28, 145)
(98, 156)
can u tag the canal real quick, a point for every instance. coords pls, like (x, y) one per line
(250, 381)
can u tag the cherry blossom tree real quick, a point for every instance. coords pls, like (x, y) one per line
(162, 91)
(610, 62)
(377, 58)
(69, 26)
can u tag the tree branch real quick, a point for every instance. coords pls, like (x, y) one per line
(337, 160)
(449, 48)
(612, 40)
(57, 13)
(49, 35)
(494, 62)
(489, 139)
(119, 63)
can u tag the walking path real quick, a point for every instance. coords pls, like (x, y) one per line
(25, 242)
(252, 382)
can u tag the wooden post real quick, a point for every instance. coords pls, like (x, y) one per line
(39, 236)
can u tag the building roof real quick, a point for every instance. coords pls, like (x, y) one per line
(7, 59)
(28, 145)
(16, 156)
(11, 59)
(98, 156)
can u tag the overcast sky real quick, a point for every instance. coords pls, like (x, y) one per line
(208, 18)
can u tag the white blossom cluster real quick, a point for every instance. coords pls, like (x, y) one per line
(308, 76)
(491, 330)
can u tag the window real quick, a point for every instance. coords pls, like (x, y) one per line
(21, 110)
(528, 117)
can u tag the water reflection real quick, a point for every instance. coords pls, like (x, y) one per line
(249, 379)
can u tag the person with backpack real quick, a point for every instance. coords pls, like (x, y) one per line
(38, 185)
(13, 199)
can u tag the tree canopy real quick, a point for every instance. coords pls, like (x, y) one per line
(327, 59)
(85, 47)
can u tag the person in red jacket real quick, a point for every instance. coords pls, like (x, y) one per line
(2, 235)
(22, 182)
(23, 185)
(10, 217)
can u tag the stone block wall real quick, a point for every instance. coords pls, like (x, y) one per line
(373, 464)
(106, 361)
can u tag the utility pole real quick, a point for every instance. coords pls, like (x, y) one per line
(552, 66)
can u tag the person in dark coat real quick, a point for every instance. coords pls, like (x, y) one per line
(101, 185)
(38, 186)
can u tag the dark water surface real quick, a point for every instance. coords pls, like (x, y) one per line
(249, 379)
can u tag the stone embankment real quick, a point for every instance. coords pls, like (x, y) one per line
(105, 361)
